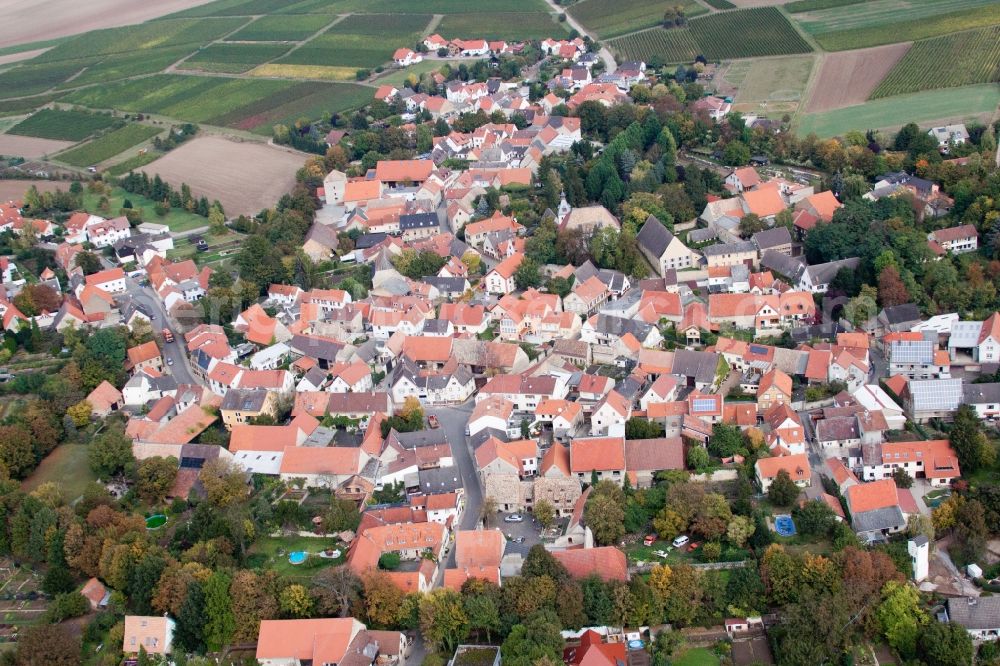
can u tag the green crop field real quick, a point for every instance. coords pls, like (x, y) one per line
(815, 5)
(513, 26)
(109, 145)
(611, 19)
(62, 125)
(307, 99)
(281, 28)
(126, 65)
(361, 41)
(964, 58)
(234, 58)
(331, 7)
(720, 4)
(32, 79)
(956, 104)
(135, 39)
(890, 21)
(674, 46)
(746, 33)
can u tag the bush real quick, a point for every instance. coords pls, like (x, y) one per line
(711, 551)
(389, 561)
(57, 581)
(65, 606)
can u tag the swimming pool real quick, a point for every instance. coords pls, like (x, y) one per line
(784, 526)
(297, 556)
(155, 522)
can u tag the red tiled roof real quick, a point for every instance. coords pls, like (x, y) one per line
(607, 562)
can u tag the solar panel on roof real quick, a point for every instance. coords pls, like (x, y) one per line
(758, 349)
(191, 463)
(912, 352)
(703, 405)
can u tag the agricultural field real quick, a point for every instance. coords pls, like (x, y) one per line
(30, 78)
(772, 86)
(890, 21)
(398, 77)
(747, 33)
(126, 65)
(312, 72)
(674, 46)
(62, 125)
(30, 147)
(954, 104)
(134, 163)
(815, 5)
(245, 177)
(67, 465)
(849, 77)
(108, 145)
(964, 58)
(15, 189)
(233, 58)
(513, 26)
(361, 41)
(245, 104)
(720, 4)
(281, 29)
(612, 19)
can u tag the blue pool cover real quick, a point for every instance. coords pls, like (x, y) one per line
(784, 526)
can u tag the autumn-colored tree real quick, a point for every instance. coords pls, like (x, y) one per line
(891, 290)
(383, 600)
(685, 595)
(80, 413)
(545, 513)
(254, 598)
(780, 573)
(172, 589)
(225, 483)
(739, 530)
(668, 523)
(295, 602)
(712, 516)
(48, 645)
(16, 452)
(337, 591)
(155, 477)
(659, 581)
(523, 596)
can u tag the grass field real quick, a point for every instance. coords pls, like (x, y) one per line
(177, 220)
(815, 5)
(612, 19)
(109, 145)
(696, 657)
(234, 58)
(510, 26)
(778, 84)
(62, 125)
(747, 33)
(68, 466)
(398, 77)
(890, 21)
(281, 29)
(361, 41)
(934, 105)
(312, 72)
(132, 164)
(964, 58)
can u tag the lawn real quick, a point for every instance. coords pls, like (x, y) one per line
(611, 19)
(935, 105)
(68, 466)
(696, 657)
(264, 554)
(109, 145)
(281, 29)
(176, 219)
(641, 553)
(777, 83)
(62, 125)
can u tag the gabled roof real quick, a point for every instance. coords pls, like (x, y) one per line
(654, 236)
(797, 467)
(597, 454)
(608, 562)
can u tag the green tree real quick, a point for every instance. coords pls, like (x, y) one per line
(782, 490)
(443, 621)
(220, 622)
(155, 477)
(545, 513)
(739, 530)
(537, 638)
(697, 458)
(190, 633)
(604, 513)
(528, 274)
(901, 617)
(110, 453)
(945, 644)
(969, 441)
(736, 153)
(726, 441)
(259, 263)
(483, 614)
(48, 645)
(17, 456)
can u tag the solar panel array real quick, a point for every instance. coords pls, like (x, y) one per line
(937, 394)
(915, 352)
(703, 405)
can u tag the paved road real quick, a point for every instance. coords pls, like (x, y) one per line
(174, 351)
(453, 420)
(604, 54)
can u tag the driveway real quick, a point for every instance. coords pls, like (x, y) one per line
(528, 529)
(454, 419)
(174, 351)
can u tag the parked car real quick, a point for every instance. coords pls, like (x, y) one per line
(433, 421)
(680, 541)
(170, 361)
(513, 518)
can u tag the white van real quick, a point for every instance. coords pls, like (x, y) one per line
(680, 541)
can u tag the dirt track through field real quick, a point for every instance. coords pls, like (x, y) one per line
(39, 20)
(245, 176)
(849, 77)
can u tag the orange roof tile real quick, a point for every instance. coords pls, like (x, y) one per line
(597, 453)
(797, 466)
(873, 495)
(607, 562)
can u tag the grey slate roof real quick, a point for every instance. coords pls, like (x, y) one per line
(654, 237)
(449, 285)
(773, 237)
(247, 400)
(739, 247)
(890, 517)
(366, 241)
(702, 235)
(700, 365)
(899, 314)
(824, 273)
(790, 267)
(418, 221)
(978, 394)
(620, 326)
(975, 613)
(440, 480)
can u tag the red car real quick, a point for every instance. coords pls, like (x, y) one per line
(433, 421)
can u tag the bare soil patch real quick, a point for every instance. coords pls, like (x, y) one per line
(13, 190)
(849, 77)
(30, 147)
(246, 177)
(40, 20)
(18, 57)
